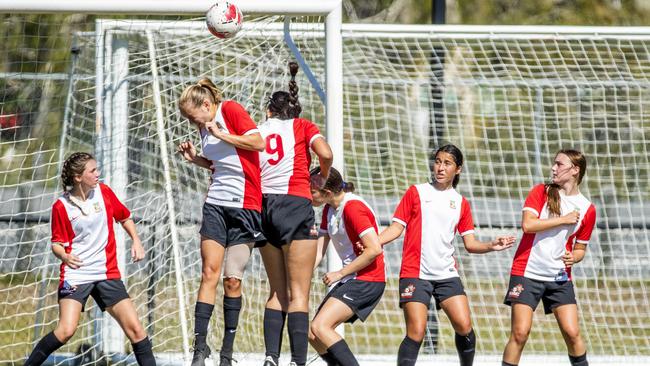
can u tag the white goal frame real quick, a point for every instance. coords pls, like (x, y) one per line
(116, 173)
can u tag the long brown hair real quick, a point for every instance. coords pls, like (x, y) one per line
(73, 165)
(285, 105)
(553, 190)
(195, 94)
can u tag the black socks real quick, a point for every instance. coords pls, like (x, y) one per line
(44, 348)
(466, 347)
(231, 308)
(143, 353)
(298, 327)
(273, 325)
(408, 352)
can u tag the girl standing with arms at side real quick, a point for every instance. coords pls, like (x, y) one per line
(432, 214)
(230, 143)
(83, 239)
(287, 219)
(557, 221)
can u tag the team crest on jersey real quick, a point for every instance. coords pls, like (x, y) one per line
(516, 291)
(408, 291)
(97, 207)
(452, 205)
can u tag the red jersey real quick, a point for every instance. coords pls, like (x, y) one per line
(236, 173)
(432, 218)
(539, 255)
(87, 232)
(347, 225)
(286, 159)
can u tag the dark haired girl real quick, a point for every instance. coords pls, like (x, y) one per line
(432, 214)
(359, 285)
(83, 239)
(287, 219)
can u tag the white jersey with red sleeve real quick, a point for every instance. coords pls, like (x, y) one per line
(87, 232)
(347, 225)
(432, 218)
(539, 255)
(236, 173)
(286, 159)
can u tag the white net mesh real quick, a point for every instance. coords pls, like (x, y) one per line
(508, 100)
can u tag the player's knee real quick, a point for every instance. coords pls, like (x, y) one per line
(520, 335)
(416, 333)
(135, 333)
(210, 274)
(318, 328)
(65, 331)
(231, 284)
(464, 327)
(311, 336)
(572, 335)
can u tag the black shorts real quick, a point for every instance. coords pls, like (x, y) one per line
(528, 291)
(231, 225)
(286, 218)
(105, 293)
(360, 296)
(418, 290)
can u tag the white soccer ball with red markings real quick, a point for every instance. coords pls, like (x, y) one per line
(224, 19)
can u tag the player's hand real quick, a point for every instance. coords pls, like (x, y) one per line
(187, 150)
(332, 277)
(502, 243)
(571, 218)
(567, 258)
(72, 261)
(213, 128)
(137, 251)
(359, 247)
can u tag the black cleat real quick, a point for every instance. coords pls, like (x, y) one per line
(225, 360)
(200, 354)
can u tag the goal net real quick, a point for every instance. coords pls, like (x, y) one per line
(508, 97)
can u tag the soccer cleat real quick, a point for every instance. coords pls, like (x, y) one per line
(225, 360)
(201, 352)
(269, 361)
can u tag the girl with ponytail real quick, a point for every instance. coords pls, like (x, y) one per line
(431, 214)
(557, 221)
(83, 240)
(287, 219)
(230, 145)
(350, 224)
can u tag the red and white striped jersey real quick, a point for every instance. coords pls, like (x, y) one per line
(89, 236)
(286, 159)
(539, 255)
(347, 225)
(432, 218)
(236, 173)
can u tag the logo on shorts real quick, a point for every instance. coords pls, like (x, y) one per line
(67, 289)
(516, 291)
(452, 205)
(345, 296)
(408, 291)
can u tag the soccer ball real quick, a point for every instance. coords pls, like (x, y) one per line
(224, 19)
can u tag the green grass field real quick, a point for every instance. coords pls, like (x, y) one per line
(614, 320)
